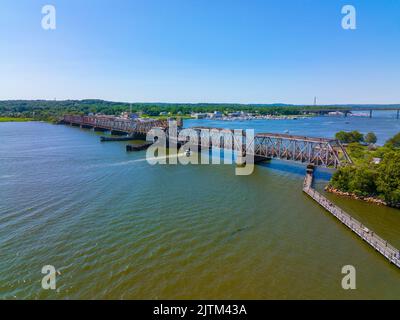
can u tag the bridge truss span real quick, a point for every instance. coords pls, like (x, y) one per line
(318, 151)
(128, 126)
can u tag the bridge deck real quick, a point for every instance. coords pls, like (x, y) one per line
(379, 244)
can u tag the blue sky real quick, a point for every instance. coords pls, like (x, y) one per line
(253, 51)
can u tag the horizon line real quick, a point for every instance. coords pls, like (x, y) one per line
(204, 103)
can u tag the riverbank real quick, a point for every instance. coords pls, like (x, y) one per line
(370, 199)
(11, 119)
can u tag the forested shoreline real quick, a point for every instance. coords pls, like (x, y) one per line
(49, 110)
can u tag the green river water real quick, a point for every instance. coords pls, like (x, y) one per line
(116, 227)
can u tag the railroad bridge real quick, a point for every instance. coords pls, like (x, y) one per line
(117, 126)
(349, 110)
(317, 151)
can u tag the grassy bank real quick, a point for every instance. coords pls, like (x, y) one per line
(9, 119)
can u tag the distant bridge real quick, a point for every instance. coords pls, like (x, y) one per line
(348, 110)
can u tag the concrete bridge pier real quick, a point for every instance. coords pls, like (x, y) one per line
(370, 113)
(258, 159)
(138, 136)
(100, 129)
(241, 159)
(118, 133)
(398, 114)
(86, 126)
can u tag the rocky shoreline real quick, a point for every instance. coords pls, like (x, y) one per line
(374, 200)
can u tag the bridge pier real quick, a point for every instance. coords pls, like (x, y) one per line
(139, 136)
(97, 129)
(85, 126)
(398, 114)
(118, 133)
(241, 160)
(370, 113)
(141, 147)
(258, 159)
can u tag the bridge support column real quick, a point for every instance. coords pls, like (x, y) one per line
(138, 136)
(398, 114)
(99, 129)
(84, 126)
(241, 160)
(258, 159)
(118, 133)
(370, 113)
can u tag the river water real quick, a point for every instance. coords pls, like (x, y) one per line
(116, 227)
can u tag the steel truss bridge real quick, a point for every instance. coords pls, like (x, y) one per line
(318, 151)
(114, 124)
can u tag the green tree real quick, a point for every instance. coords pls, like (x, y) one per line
(356, 151)
(394, 142)
(370, 138)
(342, 136)
(363, 181)
(388, 180)
(356, 136)
(341, 179)
(349, 137)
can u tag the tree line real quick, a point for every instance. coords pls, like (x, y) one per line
(50, 110)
